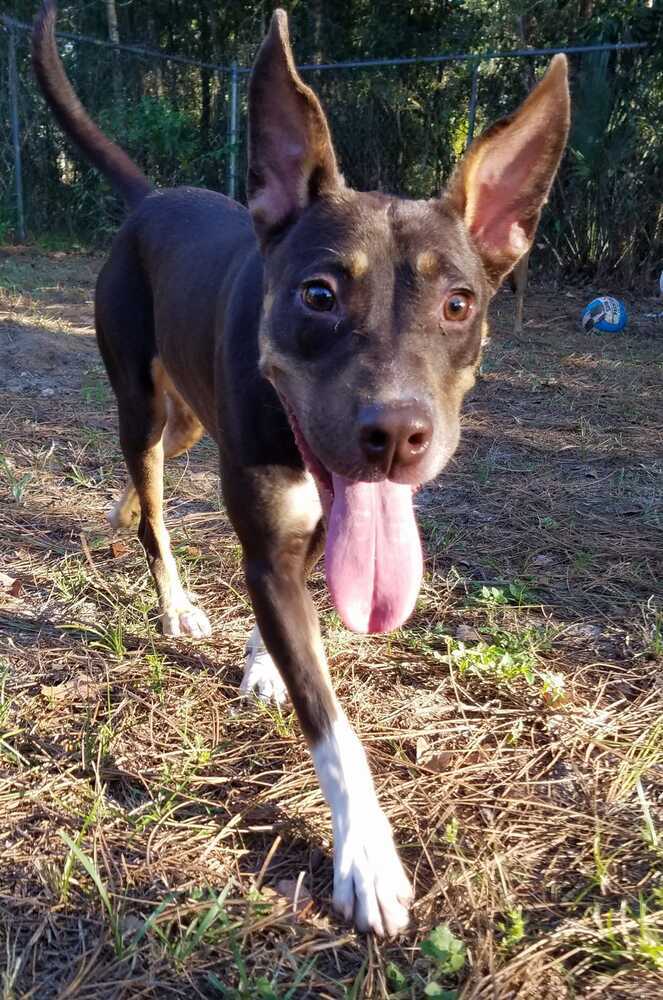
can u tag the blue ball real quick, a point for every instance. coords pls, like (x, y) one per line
(605, 314)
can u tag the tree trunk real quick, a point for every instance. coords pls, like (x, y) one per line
(205, 75)
(116, 69)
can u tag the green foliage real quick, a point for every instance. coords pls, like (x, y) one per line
(511, 928)
(163, 138)
(17, 483)
(447, 951)
(513, 593)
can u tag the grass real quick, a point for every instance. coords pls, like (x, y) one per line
(161, 839)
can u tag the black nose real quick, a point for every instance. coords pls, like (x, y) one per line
(393, 436)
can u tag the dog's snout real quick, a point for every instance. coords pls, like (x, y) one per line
(394, 436)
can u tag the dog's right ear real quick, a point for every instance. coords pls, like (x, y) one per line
(291, 157)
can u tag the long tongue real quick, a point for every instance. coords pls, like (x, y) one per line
(373, 554)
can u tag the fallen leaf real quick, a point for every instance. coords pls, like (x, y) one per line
(118, 549)
(294, 891)
(79, 688)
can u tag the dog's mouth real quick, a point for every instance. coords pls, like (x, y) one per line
(373, 557)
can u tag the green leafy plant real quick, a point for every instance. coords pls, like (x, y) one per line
(448, 955)
(511, 928)
(17, 484)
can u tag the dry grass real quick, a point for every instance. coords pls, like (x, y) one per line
(155, 831)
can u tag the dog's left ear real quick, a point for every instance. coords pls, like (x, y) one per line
(502, 183)
(291, 156)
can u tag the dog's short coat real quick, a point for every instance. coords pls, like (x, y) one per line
(325, 339)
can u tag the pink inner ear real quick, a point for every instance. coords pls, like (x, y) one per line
(280, 192)
(505, 183)
(271, 204)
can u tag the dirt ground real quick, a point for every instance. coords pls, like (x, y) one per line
(159, 838)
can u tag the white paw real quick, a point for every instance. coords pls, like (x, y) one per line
(370, 884)
(262, 679)
(186, 621)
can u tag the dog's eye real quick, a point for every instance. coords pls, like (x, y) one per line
(318, 296)
(457, 306)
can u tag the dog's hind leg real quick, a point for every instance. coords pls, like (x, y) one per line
(142, 426)
(126, 342)
(183, 430)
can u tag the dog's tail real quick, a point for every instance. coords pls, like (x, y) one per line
(123, 174)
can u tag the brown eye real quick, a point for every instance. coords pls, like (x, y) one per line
(457, 306)
(318, 296)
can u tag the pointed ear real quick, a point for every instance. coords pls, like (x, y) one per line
(291, 157)
(502, 183)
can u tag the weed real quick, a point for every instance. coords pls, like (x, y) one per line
(553, 687)
(95, 390)
(89, 866)
(76, 476)
(447, 955)
(451, 831)
(283, 723)
(260, 987)
(5, 701)
(17, 484)
(489, 659)
(583, 560)
(511, 928)
(70, 579)
(515, 593)
(181, 939)
(107, 638)
(516, 732)
(629, 935)
(158, 670)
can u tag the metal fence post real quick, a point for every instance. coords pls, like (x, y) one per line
(472, 110)
(233, 132)
(16, 135)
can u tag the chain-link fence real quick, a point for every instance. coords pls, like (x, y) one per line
(399, 125)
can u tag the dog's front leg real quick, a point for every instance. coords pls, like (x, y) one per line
(279, 535)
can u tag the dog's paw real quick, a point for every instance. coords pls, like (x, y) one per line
(187, 620)
(125, 513)
(261, 677)
(370, 884)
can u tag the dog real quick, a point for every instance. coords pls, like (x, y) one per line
(325, 338)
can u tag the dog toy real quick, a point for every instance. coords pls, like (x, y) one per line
(606, 314)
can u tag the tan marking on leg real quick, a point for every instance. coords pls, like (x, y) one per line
(178, 614)
(301, 505)
(183, 429)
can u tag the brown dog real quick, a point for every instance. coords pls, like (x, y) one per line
(325, 338)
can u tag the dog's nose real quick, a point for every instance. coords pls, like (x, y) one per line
(395, 435)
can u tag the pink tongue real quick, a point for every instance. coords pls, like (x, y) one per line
(373, 554)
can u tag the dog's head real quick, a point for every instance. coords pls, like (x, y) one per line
(374, 305)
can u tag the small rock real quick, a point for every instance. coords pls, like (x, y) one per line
(585, 631)
(467, 634)
(48, 392)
